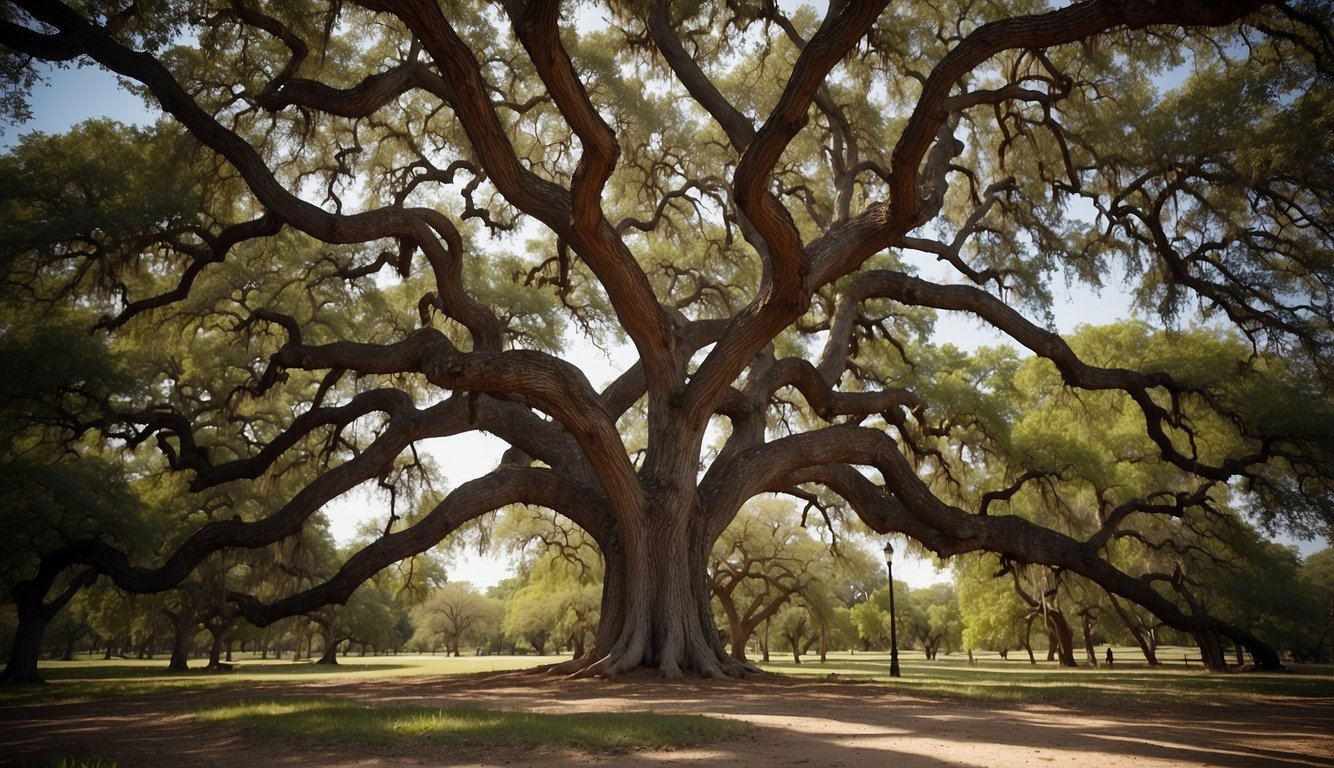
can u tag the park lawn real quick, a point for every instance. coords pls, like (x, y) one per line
(83, 680)
(328, 720)
(292, 702)
(1130, 680)
(951, 676)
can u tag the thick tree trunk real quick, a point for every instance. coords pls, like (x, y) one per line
(34, 616)
(656, 604)
(182, 639)
(1062, 637)
(739, 638)
(330, 652)
(1211, 650)
(215, 650)
(1090, 652)
(1146, 647)
(27, 647)
(325, 619)
(71, 639)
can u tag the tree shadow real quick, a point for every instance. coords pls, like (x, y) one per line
(833, 724)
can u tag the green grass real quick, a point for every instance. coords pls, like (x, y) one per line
(92, 679)
(992, 679)
(989, 680)
(283, 704)
(337, 721)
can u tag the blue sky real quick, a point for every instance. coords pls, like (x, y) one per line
(76, 94)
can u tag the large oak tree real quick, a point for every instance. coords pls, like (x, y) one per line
(403, 210)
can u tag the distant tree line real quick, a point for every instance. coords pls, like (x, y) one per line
(781, 590)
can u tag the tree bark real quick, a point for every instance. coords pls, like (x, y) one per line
(183, 622)
(657, 601)
(329, 655)
(1062, 637)
(34, 616)
(1089, 651)
(1211, 650)
(27, 647)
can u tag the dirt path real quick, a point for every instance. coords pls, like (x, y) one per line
(795, 724)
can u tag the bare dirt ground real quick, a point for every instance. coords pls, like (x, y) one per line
(793, 723)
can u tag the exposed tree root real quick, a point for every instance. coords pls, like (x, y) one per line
(609, 667)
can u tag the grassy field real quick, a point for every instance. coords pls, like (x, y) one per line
(253, 704)
(95, 679)
(988, 679)
(351, 722)
(991, 678)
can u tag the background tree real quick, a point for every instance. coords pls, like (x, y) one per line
(928, 617)
(1262, 591)
(55, 486)
(941, 627)
(396, 248)
(369, 618)
(871, 618)
(459, 615)
(556, 596)
(761, 564)
(378, 614)
(1318, 575)
(793, 625)
(857, 571)
(558, 604)
(993, 616)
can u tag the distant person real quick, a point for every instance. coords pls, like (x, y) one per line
(1109, 655)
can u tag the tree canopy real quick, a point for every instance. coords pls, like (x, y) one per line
(365, 226)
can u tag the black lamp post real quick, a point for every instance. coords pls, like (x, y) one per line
(893, 629)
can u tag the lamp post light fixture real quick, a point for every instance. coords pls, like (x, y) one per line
(893, 629)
